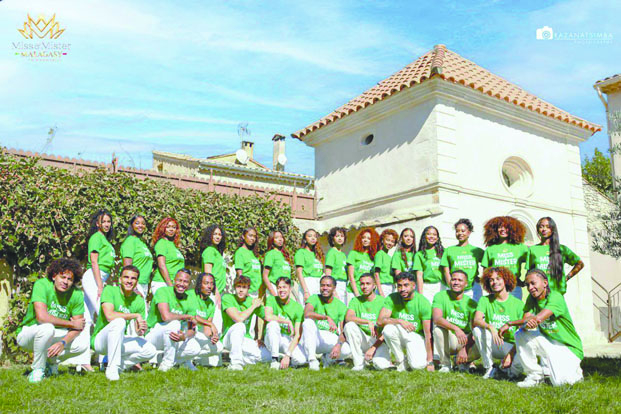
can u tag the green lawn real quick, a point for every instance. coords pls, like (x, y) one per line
(299, 390)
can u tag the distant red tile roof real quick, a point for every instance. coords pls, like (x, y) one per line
(451, 67)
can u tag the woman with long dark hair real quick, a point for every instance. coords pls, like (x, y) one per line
(277, 261)
(169, 258)
(309, 261)
(403, 258)
(382, 262)
(246, 259)
(551, 256)
(336, 260)
(212, 244)
(135, 251)
(429, 280)
(360, 260)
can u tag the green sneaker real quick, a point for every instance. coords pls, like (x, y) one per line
(36, 376)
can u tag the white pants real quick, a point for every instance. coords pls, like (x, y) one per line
(210, 353)
(91, 301)
(320, 341)
(489, 350)
(563, 365)
(174, 352)
(430, 290)
(341, 290)
(277, 342)
(398, 338)
(156, 285)
(388, 288)
(312, 284)
(38, 338)
(445, 344)
(243, 350)
(143, 289)
(123, 351)
(360, 342)
(469, 293)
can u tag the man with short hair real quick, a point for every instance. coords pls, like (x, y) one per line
(119, 307)
(322, 329)
(406, 322)
(171, 323)
(452, 315)
(284, 324)
(364, 337)
(53, 328)
(237, 312)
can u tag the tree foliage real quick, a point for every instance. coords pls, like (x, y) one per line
(598, 171)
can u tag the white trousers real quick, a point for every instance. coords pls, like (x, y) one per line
(489, 350)
(277, 343)
(243, 350)
(174, 352)
(38, 338)
(430, 290)
(312, 284)
(318, 341)
(123, 351)
(210, 353)
(341, 290)
(397, 338)
(388, 288)
(445, 344)
(563, 365)
(360, 342)
(91, 301)
(156, 285)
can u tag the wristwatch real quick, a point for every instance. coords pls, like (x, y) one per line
(62, 341)
(430, 364)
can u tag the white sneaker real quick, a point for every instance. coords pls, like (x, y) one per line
(236, 367)
(112, 374)
(313, 365)
(529, 381)
(36, 376)
(444, 369)
(275, 365)
(401, 366)
(358, 368)
(189, 365)
(165, 367)
(490, 373)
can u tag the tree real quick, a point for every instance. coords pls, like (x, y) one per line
(598, 171)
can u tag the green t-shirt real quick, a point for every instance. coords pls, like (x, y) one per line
(466, 258)
(134, 248)
(218, 266)
(368, 310)
(506, 255)
(173, 256)
(124, 304)
(204, 308)
(335, 309)
(429, 265)
(362, 264)
(398, 263)
(247, 262)
(279, 267)
(498, 313)
(61, 305)
(415, 310)
(337, 260)
(559, 326)
(230, 301)
(292, 311)
(458, 312)
(311, 266)
(382, 265)
(105, 259)
(539, 258)
(184, 306)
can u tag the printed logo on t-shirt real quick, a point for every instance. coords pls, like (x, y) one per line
(549, 325)
(124, 309)
(179, 255)
(368, 316)
(366, 266)
(464, 261)
(317, 265)
(406, 317)
(58, 311)
(322, 324)
(146, 252)
(255, 264)
(499, 320)
(176, 311)
(457, 318)
(201, 314)
(505, 258)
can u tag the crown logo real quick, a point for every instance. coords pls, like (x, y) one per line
(41, 28)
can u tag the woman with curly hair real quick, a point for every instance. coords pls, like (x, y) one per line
(277, 261)
(336, 260)
(403, 258)
(360, 260)
(429, 280)
(493, 311)
(309, 264)
(212, 244)
(463, 256)
(135, 251)
(504, 239)
(246, 259)
(551, 256)
(383, 275)
(169, 258)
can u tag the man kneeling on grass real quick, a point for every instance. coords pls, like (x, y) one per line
(171, 323)
(53, 328)
(120, 306)
(406, 320)
(452, 315)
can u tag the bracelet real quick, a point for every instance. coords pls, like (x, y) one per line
(62, 341)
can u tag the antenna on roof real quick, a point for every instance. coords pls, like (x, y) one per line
(242, 130)
(50, 137)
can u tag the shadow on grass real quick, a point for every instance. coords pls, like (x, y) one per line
(606, 367)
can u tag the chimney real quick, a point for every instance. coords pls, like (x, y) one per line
(279, 149)
(248, 147)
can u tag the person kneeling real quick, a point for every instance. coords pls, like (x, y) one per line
(452, 315)
(171, 323)
(284, 322)
(53, 328)
(556, 341)
(237, 313)
(364, 337)
(322, 330)
(406, 321)
(119, 306)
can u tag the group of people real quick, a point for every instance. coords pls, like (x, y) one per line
(384, 304)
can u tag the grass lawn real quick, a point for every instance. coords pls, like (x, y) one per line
(299, 390)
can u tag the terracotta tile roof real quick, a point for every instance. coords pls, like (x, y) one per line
(610, 84)
(449, 66)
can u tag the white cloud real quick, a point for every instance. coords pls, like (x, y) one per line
(157, 116)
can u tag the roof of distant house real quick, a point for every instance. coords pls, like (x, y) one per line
(451, 67)
(609, 84)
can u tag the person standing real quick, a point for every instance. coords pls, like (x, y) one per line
(247, 261)
(213, 245)
(309, 264)
(277, 262)
(383, 260)
(135, 251)
(403, 258)
(169, 258)
(429, 280)
(336, 261)
(360, 260)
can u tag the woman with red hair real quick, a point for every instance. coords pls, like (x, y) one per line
(383, 273)
(360, 260)
(169, 258)
(504, 242)
(309, 261)
(429, 280)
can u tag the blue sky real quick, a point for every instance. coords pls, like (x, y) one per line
(180, 76)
